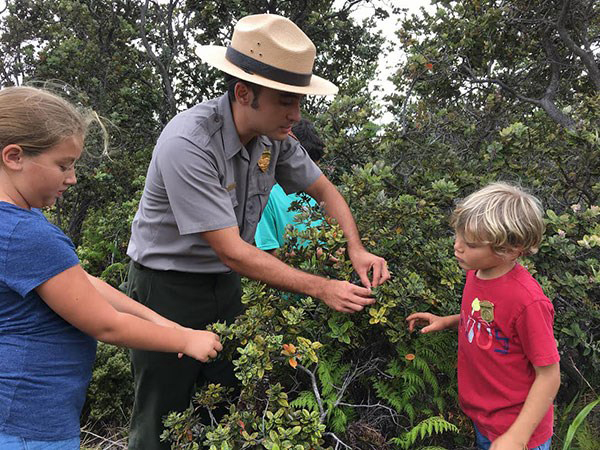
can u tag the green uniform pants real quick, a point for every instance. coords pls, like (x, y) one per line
(164, 383)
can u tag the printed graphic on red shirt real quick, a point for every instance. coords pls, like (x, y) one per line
(480, 328)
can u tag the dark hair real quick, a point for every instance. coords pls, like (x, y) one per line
(231, 81)
(309, 139)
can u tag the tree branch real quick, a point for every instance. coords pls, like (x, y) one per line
(546, 102)
(403, 118)
(393, 413)
(554, 83)
(587, 57)
(498, 82)
(315, 387)
(338, 441)
(160, 66)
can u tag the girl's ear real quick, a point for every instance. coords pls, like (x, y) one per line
(12, 157)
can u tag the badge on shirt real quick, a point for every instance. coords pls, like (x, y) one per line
(265, 160)
(485, 308)
(487, 311)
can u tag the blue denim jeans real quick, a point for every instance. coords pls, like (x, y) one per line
(484, 443)
(8, 442)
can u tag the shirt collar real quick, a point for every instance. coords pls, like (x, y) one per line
(231, 139)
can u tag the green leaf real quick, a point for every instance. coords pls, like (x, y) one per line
(577, 422)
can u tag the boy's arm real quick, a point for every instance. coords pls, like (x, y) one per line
(432, 322)
(540, 397)
(452, 321)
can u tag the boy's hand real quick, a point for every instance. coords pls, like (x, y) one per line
(201, 345)
(432, 322)
(507, 441)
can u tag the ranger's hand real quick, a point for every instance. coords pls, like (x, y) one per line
(364, 262)
(346, 297)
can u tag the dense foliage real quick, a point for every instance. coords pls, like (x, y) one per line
(489, 90)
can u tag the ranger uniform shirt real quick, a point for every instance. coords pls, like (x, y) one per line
(201, 178)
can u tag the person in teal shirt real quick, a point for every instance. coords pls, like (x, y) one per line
(277, 215)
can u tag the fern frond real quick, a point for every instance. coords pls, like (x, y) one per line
(426, 428)
(410, 412)
(439, 402)
(427, 374)
(409, 392)
(390, 394)
(413, 379)
(330, 372)
(395, 368)
(306, 400)
(338, 420)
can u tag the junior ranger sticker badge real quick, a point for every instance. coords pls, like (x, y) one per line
(487, 311)
(265, 160)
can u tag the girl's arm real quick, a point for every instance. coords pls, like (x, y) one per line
(124, 304)
(540, 397)
(73, 297)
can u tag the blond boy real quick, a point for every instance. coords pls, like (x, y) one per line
(508, 371)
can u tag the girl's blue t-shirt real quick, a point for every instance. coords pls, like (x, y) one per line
(45, 362)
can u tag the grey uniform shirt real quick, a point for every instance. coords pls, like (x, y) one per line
(202, 178)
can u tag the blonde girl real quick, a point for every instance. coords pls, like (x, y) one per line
(52, 311)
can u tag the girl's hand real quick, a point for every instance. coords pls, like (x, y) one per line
(432, 322)
(201, 345)
(169, 323)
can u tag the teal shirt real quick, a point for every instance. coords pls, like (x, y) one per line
(275, 217)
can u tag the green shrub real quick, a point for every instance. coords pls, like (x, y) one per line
(110, 394)
(363, 378)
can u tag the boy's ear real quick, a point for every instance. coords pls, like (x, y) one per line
(514, 252)
(12, 157)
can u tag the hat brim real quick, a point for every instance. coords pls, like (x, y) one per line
(214, 55)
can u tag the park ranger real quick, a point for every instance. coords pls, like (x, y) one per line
(208, 181)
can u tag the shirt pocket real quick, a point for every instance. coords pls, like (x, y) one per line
(265, 182)
(233, 197)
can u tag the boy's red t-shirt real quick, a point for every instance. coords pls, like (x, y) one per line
(505, 328)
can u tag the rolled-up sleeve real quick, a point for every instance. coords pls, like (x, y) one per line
(191, 179)
(295, 171)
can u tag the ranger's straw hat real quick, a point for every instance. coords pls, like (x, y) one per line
(271, 51)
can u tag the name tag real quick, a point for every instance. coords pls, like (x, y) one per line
(230, 187)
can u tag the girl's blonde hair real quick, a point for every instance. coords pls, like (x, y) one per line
(503, 216)
(36, 119)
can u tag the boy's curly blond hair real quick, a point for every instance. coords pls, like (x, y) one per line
(503, 216)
